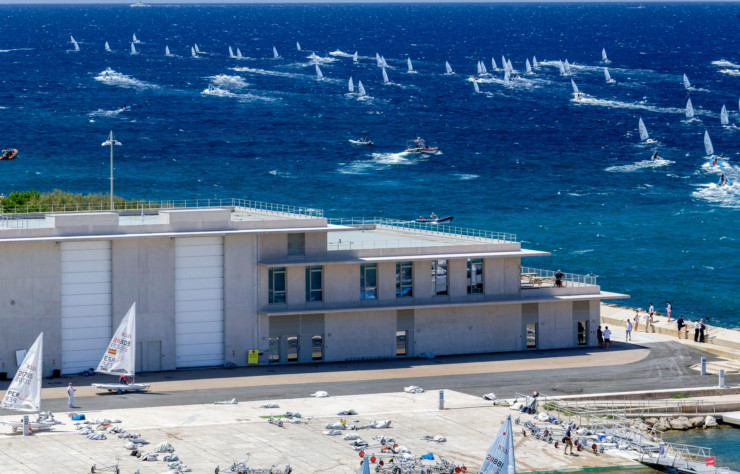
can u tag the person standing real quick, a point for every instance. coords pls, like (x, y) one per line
(568, 441)
(71, 392)
(679, 323)
(637, 319)
(628, 331)
(697, 329)
(651, 311)
(668, 309)
(607, 336)
(600, 337)
(702, 329)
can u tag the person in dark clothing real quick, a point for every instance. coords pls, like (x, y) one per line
(600, 337)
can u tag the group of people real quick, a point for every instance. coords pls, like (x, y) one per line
(699, 326)
(604, 337)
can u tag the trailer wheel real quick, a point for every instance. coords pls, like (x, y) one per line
(92, 469)
(120, 391)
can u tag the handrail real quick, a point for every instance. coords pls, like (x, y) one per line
(573, 278)
(426, 228)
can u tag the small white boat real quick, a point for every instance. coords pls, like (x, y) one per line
(74, 43)
(378, 61)
(608, 76)
(434, 219)
(577, 94)
(107, 47)
(319, 75)
(723, 117)
(120, 356)
(361, 141)
(504, 63)
(133, 49)
(385, 77)
(686, 83)
(192, 52)
(409, 65)
(239, 54)
(482, 68)
(275, 54)
(351, 85)
(231, 53)
(383, 62)
(135, 40)
(644, 136)
(354, 57)
(418, 145)
(566, 67)
(708, 148)
(360, 89)
(448, 68)
(561, 67)
(197, 49)
(139, 4)
(167, 51)
(507, 78)
(297, 45)
(508, 65)
(689, 109)
(604, 58)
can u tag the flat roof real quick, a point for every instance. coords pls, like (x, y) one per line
(386, 237)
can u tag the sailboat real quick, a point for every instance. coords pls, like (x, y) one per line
(378, 61)
(528, 66)
(74, 43)
(167, 51)
(686, 83)
(724, 119)
(297, 45)
(500, 456)
(120, 356)
(577, 95)
(231, 53)
(385, 77)
(192, 52)
(107, 48)
(608, 76)
(360, 89)
(714, 160)
(24, 392)
(133, 49)
(566, 66)
(275, 54)
(134, 40)
(239, 54)
(494, 66)
(448, 68)
(535, 64)
(197, 49)
(354, 57)
(351, 85)
(604, 58)
(383, 62)
(504, 64)
(689, 109)
(410, 66)
(507, 79)
(483, 69)
(643, 132)
(318, 72)
(508, 65)
(475, 86)
(561, 68)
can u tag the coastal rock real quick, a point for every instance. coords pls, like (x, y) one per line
(662, 425)
(680, 423)
(697, 421)
(710, 421)
(650, 421)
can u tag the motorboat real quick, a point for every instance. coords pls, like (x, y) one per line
(418, 145)
(9, 154)
(361, 141)
(434, 219)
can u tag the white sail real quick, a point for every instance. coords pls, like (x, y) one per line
(275, 54)
(383, 62)
(24, 392)
(494, 65)
(378, 61)
(354, 57)
(528, 66)
(76, 46)
(689, 109)
(410, 66)
(566, 66)
(107, 47)
(643, 130)
(535, 64)
(197, 49)
(385, 77)
(507, 81)
(483, 69)
(72, 39)
(231, 53)
(604, 58)
(686, 82)
(500, 456)
(192, 52)
(297, 45)
(134, 39)
(364, 467)
(475, 86)
(607, 76)
(575, 87)
(239, 54)
(318, 72)
(508, 65)
(478, 68)
(708, 148)
(167, 51)
(562, 68)
(448, 68)
(133, 49)
(360, 89)
(120, 356)
(351, 85)
(723, 116)
(504, 64)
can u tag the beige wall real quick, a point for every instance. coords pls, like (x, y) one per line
(355, 335)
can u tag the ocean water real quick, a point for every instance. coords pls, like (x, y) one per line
(567, 177)
(723, 441)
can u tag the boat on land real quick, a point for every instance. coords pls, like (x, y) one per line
(361, 141)
(24, 392)
(418, 145)
(434, 219)
(9, 154)
(120, 357)
(500, 456)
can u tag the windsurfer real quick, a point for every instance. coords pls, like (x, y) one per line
(655, 156)
(722, 180)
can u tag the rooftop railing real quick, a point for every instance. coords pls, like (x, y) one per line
(441, 230)
(537, 278)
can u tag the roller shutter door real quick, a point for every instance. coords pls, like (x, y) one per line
(199, 301)
(86, 304)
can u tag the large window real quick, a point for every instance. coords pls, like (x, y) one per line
(368, 281)
(439, 277)
(475, 275)
(314, 283)
(404, 280)
(276, 277)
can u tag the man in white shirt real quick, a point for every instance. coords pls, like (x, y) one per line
(628, 331)
(697, 330)
(607, 337)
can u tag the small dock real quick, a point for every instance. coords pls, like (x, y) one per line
(732, 418)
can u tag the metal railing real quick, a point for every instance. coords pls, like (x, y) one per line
(441, 230)
(548, 277)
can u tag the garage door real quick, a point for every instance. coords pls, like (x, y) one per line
(199, 301)
(86, 304)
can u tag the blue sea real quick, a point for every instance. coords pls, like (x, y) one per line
(570, 177)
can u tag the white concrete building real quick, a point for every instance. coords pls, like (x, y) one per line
(218, 279)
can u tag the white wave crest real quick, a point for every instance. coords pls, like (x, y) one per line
(217, 92)
(588, 100)
(113, 78)
(724, 196)
(639, 165)
(233, 82)
(726, 63)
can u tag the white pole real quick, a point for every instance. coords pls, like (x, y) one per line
(110, 142)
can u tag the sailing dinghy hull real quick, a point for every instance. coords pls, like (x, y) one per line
(17, 426)
(120, 387)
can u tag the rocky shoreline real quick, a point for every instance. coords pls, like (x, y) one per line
(679, 423)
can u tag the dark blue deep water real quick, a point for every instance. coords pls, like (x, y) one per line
(567, 177)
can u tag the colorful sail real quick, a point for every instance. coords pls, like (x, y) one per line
(120, 357)
(24, 393)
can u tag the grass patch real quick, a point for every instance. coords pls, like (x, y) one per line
(680, 395)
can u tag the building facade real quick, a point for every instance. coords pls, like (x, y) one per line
(212, 283)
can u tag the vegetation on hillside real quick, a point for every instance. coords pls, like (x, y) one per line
(57, 200)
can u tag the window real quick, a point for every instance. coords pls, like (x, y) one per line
(276, 277)
(296, 244)
(314, 283)
(368, 281)
(404, 281)
(531, 335)
(274, 351)
(439, 277)
(475, 276)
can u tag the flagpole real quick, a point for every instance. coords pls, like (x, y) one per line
(110, 142)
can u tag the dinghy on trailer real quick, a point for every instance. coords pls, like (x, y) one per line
(120, 357)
